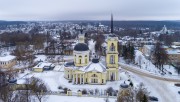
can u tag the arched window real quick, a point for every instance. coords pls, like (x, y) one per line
(80, 59)
(94, 75)
(112, 47)
(112, 61)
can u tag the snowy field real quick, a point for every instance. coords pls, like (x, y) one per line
(53, 79)
(54, 98)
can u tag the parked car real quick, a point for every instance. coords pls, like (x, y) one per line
(178, 92)
(152, 98)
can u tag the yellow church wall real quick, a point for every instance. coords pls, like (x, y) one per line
(67, 72)
(38, 69)
(81, 61)
(114, 70)
(100, 77)
(87, 76)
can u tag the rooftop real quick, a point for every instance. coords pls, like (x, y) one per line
(6, 57)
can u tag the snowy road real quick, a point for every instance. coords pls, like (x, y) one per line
(147, 74)
(164, 90)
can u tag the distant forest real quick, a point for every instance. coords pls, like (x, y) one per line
(153, 25)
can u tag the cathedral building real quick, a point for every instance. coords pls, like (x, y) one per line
(84, 71)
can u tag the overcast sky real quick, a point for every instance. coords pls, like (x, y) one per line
(89, 9)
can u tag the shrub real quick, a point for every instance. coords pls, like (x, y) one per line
(177, 84)
(91, 92)
(60, 87)
(110, 90)
(96, 91)
(131, 84)
(84, 91)
(65, 90)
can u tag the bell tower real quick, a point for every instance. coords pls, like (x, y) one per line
(112, 56)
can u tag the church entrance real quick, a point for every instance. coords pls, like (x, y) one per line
(94, 79)
(112, 77)
(78, 80)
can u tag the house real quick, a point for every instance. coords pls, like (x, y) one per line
(173, 55)
(42, 66)
(7, 61)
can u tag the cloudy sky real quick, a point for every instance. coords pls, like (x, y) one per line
(89, 9)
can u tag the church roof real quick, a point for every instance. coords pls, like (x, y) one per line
(81, 47)
(97, 67)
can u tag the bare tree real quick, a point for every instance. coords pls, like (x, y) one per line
(99, 40)
(126, 95)
(7, 94)
(141, 94)
(133, 95)
(39, 89)
(160, 56)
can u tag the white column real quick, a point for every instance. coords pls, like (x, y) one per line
(109, 75)
(76, 79)
(73, 79)
(83, 78)
(80, 79)
(115, 75)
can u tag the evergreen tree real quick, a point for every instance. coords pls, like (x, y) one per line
(132, 53)
(145, 99)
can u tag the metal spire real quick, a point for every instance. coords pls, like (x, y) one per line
(112, 28)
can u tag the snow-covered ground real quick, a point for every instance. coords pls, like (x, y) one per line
(148, 66)
(164, 90)
(53, 79)
(54, 98)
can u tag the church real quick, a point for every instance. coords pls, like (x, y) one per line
(85, 71)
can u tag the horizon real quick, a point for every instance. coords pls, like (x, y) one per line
(87, 20)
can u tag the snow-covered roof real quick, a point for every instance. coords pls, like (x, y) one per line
(173, 51)
(6, 57)
(21, 81)
(97, 67)
(104, 44)
(43, 64)
(174, 46)
(149, 46)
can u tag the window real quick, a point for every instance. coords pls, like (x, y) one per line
(112, 47)
(112, 61)
(79, 61)
(94, 75)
